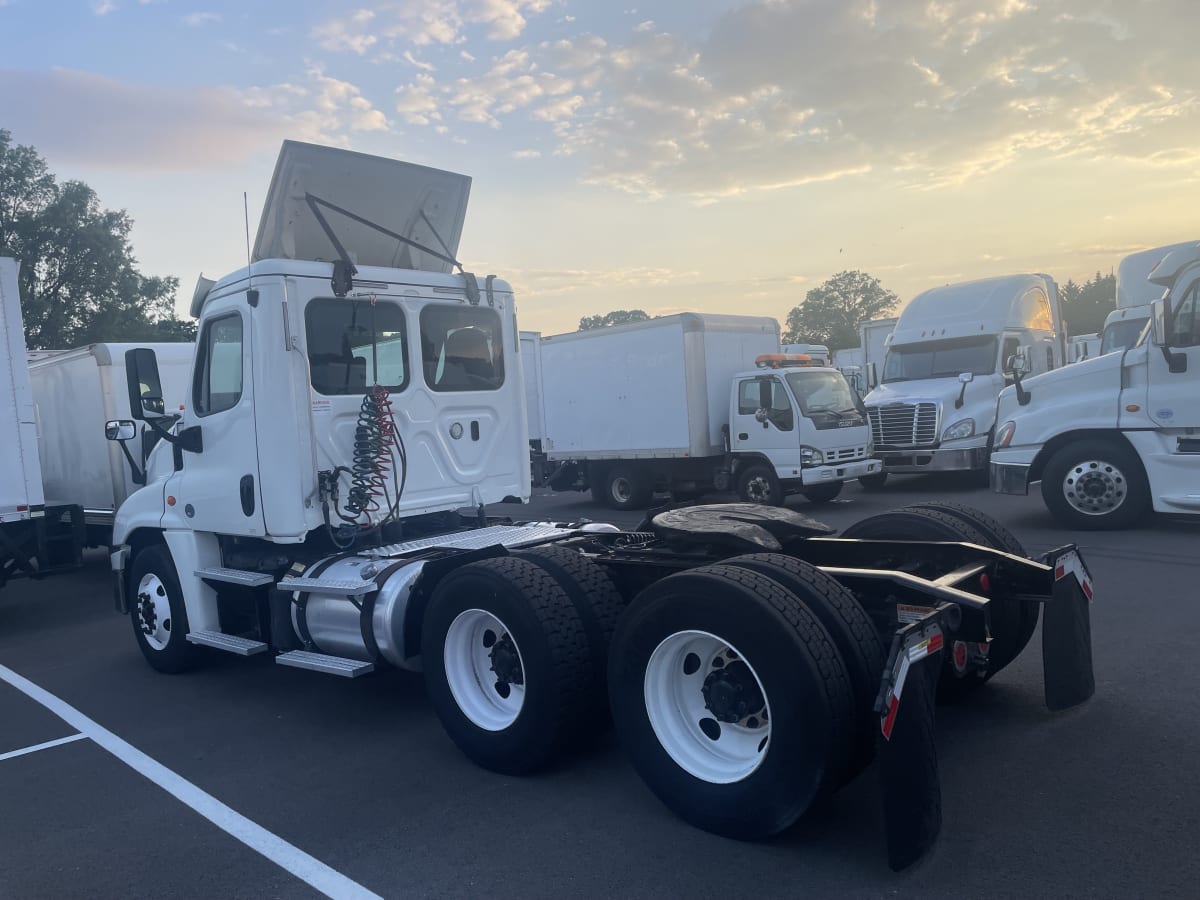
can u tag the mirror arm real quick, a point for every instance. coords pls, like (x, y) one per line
(160, 431)
(1023, 396)
(138, 476)
(962, 393)
(1176, 362)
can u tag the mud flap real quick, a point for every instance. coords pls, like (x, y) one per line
(908, 767)
(1067, 631)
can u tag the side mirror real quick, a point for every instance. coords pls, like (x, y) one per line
(1017, 364)
(966, 377)
(145, 387)
(872, 376)
(120, 430)
(1158, 322)
(765, 393)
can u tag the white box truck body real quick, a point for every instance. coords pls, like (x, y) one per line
(20, 472)
(1135, 292)
(935, 405)
(669, 405)
(75, 392)
(1113, 437)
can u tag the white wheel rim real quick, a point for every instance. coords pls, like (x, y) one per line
(1095, 487)
(154, 611)
(471, 655)
(682, 720)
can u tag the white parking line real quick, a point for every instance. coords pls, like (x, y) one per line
(308, 869)
(11, 754)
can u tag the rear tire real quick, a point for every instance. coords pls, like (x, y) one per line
(160, 622)
(873, 482)
(758, 483)
(507, 664)
(999, 538)
(625, 487)
(1093, 485)
(822, 493)
(917, 523)
(853, 633)
(667, 697)
(598, 603)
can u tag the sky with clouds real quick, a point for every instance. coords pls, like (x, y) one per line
(716, 155)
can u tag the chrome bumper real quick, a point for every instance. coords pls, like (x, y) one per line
(915, 461)
(840, 471)
(1010, 478)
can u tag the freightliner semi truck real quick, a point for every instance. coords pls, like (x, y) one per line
(354, 390)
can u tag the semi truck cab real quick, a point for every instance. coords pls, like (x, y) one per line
(1112, 437)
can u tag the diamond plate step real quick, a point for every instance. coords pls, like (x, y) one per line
(332, 587)
(227, 642)
(476, 539)
(235, 576)
(320, 662)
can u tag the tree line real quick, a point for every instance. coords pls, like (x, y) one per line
(79, 280)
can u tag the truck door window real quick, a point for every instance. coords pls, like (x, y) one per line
(1185, 322)
(353, 344)
(748, 397)
(462, 348)
(218, 382)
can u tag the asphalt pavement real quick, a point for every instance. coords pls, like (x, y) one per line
(1100, 801)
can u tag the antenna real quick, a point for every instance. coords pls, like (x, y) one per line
(251, 294)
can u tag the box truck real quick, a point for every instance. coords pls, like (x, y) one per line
(692, 403)
(304, 507)
(1135, 292)
(74, 393)
(935, 406)
(1114, 437)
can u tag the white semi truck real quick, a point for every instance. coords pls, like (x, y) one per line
(1135, 292)
(1114, 437)
(305, 506)
(934, 409)
(692, 403)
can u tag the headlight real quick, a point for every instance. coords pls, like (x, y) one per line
(1005, 435)
(811, 456)
(963, 428)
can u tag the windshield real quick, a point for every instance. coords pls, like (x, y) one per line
(1122, 335)
(940, 359)
(825, 392)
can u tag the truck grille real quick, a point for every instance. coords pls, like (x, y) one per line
(844, 454)
(904, 424)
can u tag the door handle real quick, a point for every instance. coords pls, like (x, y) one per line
(742, 436)
(246, 492)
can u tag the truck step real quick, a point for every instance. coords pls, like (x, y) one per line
(330, 586)
(235, 576)
(227, 642)
(320, 662)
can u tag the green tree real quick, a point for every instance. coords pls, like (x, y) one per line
(832, 312)
(1086, 305)
(79, 279)
(616, 317)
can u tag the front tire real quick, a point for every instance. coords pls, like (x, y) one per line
(1093, 485)
(758, 483)
(872, 483)
(160, 623)
(822, 493)
(731, 700)
(507, 664)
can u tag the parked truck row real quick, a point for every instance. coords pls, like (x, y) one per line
(306, 502)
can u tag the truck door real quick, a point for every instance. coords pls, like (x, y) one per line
(217, 489)
(1174, 397)
(770, 431)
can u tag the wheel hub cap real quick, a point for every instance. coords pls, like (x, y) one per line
(731, 693)
(505, 661)
(1095, 487)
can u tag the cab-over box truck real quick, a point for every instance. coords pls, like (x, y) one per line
(677, 405)
(305, 506)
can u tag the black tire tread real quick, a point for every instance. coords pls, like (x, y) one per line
(815, 637)
(595, 598)
(565, 636)
(861, 647)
